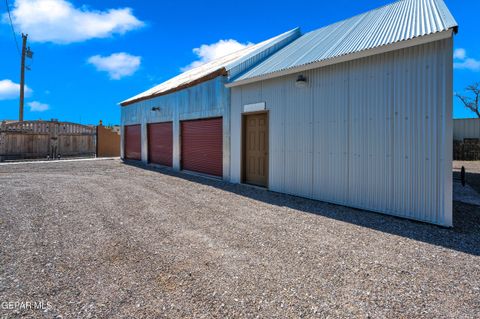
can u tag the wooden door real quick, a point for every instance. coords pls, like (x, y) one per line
(256, 149)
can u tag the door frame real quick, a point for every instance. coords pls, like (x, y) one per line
(244, 145)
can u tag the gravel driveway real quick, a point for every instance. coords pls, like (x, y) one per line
(102, 239)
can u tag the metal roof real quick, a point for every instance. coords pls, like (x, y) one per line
(399, 21)
(231, 65)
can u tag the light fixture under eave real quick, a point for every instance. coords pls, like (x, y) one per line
(301, 82)
(155, 109)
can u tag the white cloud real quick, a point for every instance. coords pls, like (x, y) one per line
(38, 107)
(10, 90)
(58, 21)
(209, 52)
(463, 62)
(468, 64)
(460, 54)
(118, 65)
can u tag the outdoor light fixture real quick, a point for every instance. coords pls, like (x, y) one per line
(301, 82)
(155, 109)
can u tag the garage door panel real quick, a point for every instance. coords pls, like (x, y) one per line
(133, 139)
(160, 143)
(202, 146)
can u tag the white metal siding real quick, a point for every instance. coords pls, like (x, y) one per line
(373, 133)
(466, 128)
(208, 99)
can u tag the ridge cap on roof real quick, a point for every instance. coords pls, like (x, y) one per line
(261, 45)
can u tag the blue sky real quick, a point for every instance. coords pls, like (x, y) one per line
(90, 55)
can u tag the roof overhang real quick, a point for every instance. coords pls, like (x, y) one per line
(349, 57)
(208, 77)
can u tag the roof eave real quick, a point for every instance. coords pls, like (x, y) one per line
(208, 77)
(349, 57)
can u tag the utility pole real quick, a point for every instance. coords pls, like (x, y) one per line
(26, 52)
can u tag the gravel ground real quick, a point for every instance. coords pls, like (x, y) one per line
(102, 239)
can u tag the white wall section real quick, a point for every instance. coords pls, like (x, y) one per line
(373, 133)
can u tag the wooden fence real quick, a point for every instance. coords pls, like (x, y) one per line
(108, 141)
(45, 139)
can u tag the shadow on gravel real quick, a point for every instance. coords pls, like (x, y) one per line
(464, 237)
(472, 179)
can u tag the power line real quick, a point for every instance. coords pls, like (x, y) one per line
(13, 29)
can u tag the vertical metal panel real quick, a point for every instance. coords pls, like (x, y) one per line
(466, 128)
(298, 139)
(236, 136)
(251, 93)
(370, 132)
(205, 100)
(144, 141)
(202, 146)
(331, 140)
(225, 96)
(160, 143)
(445, 94)
(373, 133)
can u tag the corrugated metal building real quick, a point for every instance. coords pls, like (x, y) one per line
(358, 113)
(185, 122)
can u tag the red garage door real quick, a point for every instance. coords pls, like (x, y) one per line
(160, 143)
(133, 138)
(202, 146)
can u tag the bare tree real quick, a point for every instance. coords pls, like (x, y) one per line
(471, 103)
